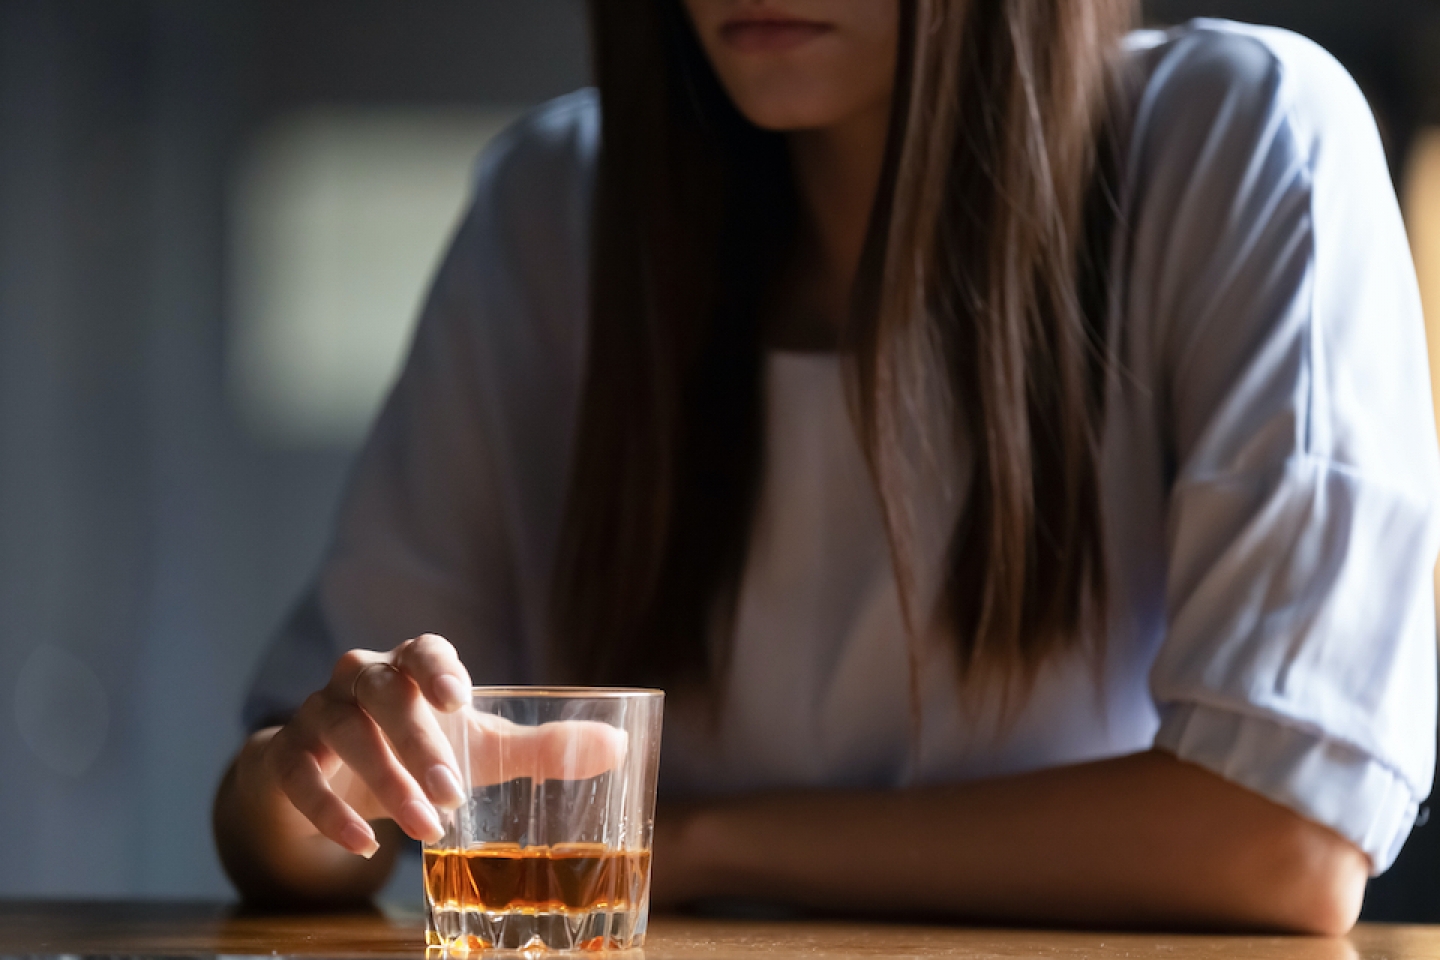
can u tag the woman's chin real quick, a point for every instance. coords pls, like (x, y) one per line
(794, 117)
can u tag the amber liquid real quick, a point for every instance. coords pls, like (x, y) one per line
(566, 878)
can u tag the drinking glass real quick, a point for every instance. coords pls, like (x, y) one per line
(552, 849)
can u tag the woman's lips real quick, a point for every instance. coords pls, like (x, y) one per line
(771, 36)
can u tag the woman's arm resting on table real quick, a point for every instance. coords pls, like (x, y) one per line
(1144, 839)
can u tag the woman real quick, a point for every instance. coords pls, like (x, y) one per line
(1008, 442)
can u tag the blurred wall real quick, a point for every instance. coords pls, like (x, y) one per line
(150, 537)
(148, 540)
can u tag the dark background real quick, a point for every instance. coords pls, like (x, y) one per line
(144, 531)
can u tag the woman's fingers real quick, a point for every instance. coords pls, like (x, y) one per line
(436, 669)
(294, 760)
(375, 718)
(389, 688)
(357, 740)
(393, 701)
(563, 750)
(349, 669)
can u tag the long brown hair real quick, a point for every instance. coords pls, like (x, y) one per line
(978, 324)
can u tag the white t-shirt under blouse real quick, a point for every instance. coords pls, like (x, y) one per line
(1269, 478)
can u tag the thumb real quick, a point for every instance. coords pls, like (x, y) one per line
(563, 750)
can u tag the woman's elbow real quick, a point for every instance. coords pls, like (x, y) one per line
(1258, 864)
(1339, 889)
(1314, 881)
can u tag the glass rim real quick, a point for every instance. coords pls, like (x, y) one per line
(567, 693)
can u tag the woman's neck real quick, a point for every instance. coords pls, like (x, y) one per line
(837, 171)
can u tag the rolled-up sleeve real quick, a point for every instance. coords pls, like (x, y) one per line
(1299, 659)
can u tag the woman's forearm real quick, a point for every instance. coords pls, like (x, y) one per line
(1144, 839)
(273, 853)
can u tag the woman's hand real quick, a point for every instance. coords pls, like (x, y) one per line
(369, 745)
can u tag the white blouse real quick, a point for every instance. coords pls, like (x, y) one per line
(1269, 478)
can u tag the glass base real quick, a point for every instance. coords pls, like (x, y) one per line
(453, 932)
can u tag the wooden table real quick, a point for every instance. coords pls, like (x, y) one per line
(214, 930)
